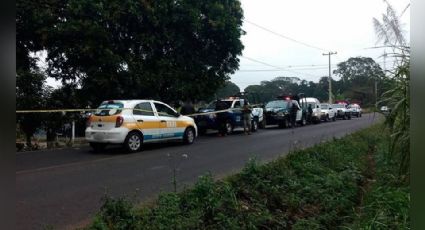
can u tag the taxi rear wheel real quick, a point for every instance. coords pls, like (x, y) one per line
(189, 136)
(133, 142)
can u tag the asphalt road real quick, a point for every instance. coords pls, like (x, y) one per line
(63, 188)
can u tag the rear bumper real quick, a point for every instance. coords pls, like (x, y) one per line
(114, 136)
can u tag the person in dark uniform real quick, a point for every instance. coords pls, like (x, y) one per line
(293, 113)
(187, 108)
(246, 111)
(221, 117)
(309, 113)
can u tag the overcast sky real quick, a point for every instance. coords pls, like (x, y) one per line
(344, 26)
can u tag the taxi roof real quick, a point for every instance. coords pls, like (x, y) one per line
(131, 101)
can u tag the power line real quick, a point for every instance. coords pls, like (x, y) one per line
(285, 37)
(277, 67)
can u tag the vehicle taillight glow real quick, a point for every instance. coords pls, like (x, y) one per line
(119, 122)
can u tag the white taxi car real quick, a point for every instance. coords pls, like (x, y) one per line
(134, 122)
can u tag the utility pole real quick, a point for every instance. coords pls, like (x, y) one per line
(330, 75)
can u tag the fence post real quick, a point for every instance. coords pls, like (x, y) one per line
(73, 132)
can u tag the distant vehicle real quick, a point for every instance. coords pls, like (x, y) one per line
(327, 112)
(385, 109)
(355, 110)
(234, 117)
(135, 122)
(277, 112)
(342, 111)
(315, 104)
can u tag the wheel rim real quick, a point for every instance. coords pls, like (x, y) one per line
(190, 136)
(255, 125)
(134, 142)
(228, 127)
(304, 121)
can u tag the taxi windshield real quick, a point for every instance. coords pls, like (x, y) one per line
(109, 109)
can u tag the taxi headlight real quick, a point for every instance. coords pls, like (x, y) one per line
(280, 113)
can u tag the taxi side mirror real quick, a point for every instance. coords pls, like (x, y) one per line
(177, 114)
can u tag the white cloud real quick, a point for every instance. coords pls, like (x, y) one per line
(344, 26)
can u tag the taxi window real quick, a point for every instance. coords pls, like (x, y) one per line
(144, 109)
(109, 109)
(164, 110)
(237, 104)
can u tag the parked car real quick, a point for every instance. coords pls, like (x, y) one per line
(328, 113)
(385, 110)
(234, 116)
(315, 105)
(132, 123)
(342, 111)
(355, 110)
(277, 112)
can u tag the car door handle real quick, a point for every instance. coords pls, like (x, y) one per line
(139, 120)
(163, 121)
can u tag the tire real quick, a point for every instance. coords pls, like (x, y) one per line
(133, 142)
(254, 126)
(360, 114)
(189, 136)
(303, 121)
(229, 127)
(97, 147)
(327, 118)
(262, 124)
(344, 117)
(286, 123)
(334, 118)
(349, 117)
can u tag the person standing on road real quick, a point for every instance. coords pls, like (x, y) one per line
(309, 113)
(187, 108)
(221, 117)
(293, 113)
(246, 111)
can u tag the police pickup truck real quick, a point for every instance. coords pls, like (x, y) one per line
(278, 112)
(234, 116)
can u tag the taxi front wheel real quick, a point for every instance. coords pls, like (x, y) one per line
(189, 136)
(133, 142)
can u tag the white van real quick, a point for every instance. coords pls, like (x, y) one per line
(315, 105)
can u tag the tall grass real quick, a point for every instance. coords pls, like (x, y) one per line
(390, 32)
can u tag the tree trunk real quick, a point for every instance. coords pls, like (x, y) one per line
(28, 138)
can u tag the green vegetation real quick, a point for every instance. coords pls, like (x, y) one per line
(397, 98)
(344, 183)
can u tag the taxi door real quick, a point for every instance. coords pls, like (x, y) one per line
(147, 121)
(169, 124)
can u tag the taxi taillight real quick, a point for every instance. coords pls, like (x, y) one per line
(119, 122)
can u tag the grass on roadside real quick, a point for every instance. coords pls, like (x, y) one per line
(322, 187)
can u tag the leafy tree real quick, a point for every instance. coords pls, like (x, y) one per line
(161, 49)
(229, 89)
(30, 94)
(358, 75)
